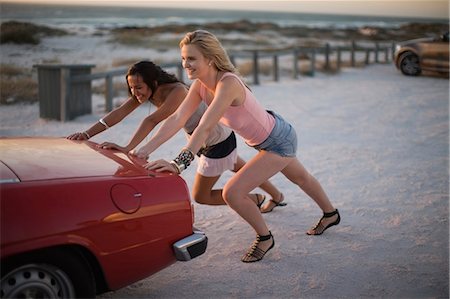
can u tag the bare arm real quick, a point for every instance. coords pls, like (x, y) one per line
(228, 92)
(170, 104)
(110, 119)
(172, 124)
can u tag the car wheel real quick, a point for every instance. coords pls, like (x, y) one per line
(409, 64)
(37, 281)
(50, 275)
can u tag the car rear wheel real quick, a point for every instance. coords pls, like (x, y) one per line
(409, 64)
(37, 281)
(54, 274)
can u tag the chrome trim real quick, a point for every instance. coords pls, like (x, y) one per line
(9, 181)
(181, 247)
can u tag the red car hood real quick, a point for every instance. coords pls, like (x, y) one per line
(41, 158)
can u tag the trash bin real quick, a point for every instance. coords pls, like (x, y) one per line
(59, 97)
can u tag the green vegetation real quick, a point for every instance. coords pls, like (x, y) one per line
(141, 38)
(17, 85)
(26, 33)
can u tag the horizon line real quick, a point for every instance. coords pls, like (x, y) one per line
(160, 4)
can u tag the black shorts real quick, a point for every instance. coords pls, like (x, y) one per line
(221, 149)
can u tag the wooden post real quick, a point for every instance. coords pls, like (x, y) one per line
(386, 54)
(352, 54)
(64, 93)
(312, 68)
(377, 48)
(233, 61)
(338, 58)
(367, 56)
(180, 72)
(393, 50)
(327, 56)
(109, 93)
(275, 68)
(255, 68)
(296, 71)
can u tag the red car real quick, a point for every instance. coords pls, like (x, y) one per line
(77, 220)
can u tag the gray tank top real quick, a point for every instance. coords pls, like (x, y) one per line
(219, 132)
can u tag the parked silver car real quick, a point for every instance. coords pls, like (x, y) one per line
(424, 54)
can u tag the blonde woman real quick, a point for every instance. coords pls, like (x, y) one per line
(148, 82)
(230, 102)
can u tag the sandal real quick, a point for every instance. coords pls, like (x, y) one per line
(273, 203)
(319, 228)
(255, 253)
(259, 201)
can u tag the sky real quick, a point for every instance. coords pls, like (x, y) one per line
(403, 8)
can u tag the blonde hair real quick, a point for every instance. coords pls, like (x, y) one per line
(211, 48)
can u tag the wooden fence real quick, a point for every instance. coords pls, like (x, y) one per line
(379, 52)
(74, 81)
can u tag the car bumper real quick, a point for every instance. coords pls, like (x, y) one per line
(191, 246)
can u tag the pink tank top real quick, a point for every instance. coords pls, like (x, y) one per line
(250, 120)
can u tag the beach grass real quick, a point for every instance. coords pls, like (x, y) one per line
(26, 33)
(139, 38)
(17, 85)
(246, 68)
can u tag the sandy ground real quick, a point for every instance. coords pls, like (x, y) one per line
(379, 144)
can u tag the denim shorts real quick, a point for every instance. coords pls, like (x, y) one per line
(282, 140)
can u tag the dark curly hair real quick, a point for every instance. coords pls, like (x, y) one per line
(152, 75)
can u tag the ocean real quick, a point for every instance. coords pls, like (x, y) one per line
(91, 17)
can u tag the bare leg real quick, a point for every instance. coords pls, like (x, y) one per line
(203, 192)
(267, 186)
(297, 173)
(259, 169)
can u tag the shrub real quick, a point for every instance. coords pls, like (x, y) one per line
(15, 90)
(17, 85)
(26, 33)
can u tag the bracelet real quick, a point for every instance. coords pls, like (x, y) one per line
(184, 159)
(175, 165)
(103, 122)
(86, 134)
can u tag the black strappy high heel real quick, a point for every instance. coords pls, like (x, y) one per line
(260, 201)
(255, 253)
(319, 228)
(275, 203)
